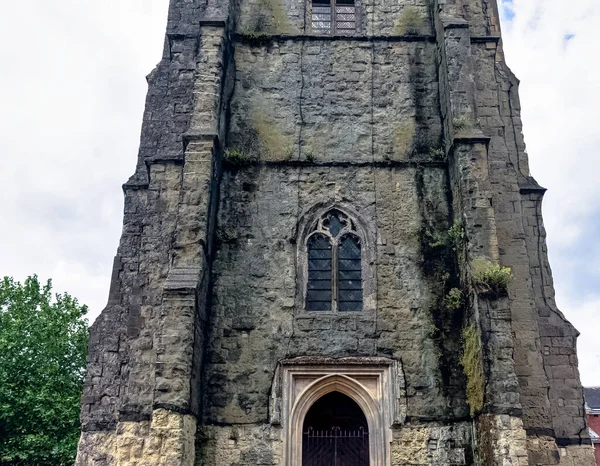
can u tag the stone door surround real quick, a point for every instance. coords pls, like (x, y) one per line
(370, 382)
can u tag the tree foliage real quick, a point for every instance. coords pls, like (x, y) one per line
(43, 345)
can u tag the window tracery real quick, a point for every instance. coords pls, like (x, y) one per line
(334, 252)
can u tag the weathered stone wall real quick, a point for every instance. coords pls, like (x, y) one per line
(252, 127)
(257, 316)
(351, 101)
(292, 17)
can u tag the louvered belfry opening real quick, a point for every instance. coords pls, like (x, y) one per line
(337, 17)
(335, 433)
(334, 255)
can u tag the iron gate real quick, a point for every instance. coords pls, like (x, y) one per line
(335, 447)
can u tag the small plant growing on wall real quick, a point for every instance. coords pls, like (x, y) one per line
(438, 153)
(472, 362)
(457, 235)
(234, 157)
(454, 300)
(490, 277)
(310, 156)
(460, 123)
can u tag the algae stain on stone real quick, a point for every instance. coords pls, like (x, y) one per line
(472, 362)
(403, 139)
(272, 143)
(411, 21)
(270, 17)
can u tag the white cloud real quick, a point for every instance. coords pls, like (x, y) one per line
(72, 91)
(551, 45)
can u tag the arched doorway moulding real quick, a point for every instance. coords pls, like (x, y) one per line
(378, 431)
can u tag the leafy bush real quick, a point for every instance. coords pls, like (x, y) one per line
(454, 299)
(457, 235)
(43, 346)
(491, 277)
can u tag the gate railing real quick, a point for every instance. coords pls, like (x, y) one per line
(335, 447)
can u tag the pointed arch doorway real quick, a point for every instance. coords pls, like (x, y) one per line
(335, 433)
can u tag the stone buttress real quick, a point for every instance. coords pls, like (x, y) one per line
(258, 126)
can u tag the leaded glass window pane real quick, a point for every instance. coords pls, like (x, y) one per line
(319, 285)
(345, 19)
(333, 16)
(321, 17)
(350, 295)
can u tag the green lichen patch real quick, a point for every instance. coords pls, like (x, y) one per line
(490, 277)
(472, 363)
(272, 143)
(269, 18)
(411, 22)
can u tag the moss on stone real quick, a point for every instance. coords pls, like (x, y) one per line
(268, 19)
(410, 22)
(472, 362)
(271, 142)
(403, 139)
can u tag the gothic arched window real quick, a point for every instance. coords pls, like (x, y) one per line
(334, 254)
(333, 17)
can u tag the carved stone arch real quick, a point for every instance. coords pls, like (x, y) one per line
(378, 431)
(364, 230)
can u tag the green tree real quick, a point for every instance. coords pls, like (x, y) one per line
(43, 345)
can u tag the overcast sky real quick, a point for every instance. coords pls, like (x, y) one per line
(72, 89)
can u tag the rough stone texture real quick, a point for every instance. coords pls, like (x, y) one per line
(433, 444)
(410, 127)
(166, 440)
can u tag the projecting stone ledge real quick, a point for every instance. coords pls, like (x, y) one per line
(183, 279)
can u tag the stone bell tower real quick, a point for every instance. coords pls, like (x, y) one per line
(332, 251)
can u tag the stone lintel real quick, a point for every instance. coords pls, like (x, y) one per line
(320, 360)
(528, 185)
(180, 36)
(173, 408)
(566, 442)
(492, 295)
(540, 432)
(200, 136)
(471, 138)
(485, 39)
(347, 163)
(215, 21)
(455, 23)
(134, 184)
(186, 279)
(260, 40)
